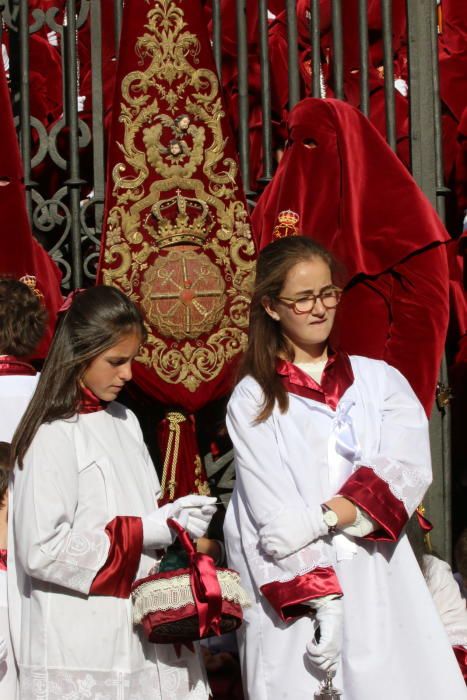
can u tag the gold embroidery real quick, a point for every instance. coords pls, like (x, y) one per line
(286, 224)
(201, 484)
(183, 294)
(171, 112)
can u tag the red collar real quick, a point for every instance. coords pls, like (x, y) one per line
(89, 402)
(336, 379)
(10, 365)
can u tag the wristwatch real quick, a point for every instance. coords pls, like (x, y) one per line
(330, 518)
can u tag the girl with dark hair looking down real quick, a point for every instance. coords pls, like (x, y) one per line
(85, 521)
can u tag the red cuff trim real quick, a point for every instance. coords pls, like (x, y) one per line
(118, 573)
(287, 597)
(461, 656)
(372, 494)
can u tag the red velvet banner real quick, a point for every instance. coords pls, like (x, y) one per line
(177, 237)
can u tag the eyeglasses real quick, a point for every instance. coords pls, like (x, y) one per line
(329, 298)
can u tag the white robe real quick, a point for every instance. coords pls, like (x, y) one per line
(395, 647)
(78, 475)
(15, 393)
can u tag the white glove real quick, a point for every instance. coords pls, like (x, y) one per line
(362, 525)
(326, 654)
(194, 513)
(291, 530)
(52, 38)
(3, 650)
(195, 520)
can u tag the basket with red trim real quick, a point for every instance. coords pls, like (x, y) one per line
(191, 603)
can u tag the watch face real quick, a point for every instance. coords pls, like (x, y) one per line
(330, 518)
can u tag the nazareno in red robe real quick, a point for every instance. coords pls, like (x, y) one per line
(343, 186)
(20, 253)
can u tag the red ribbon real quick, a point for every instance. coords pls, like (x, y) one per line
(10, 365)
(204, 584)
(424, 523)
(69, 299)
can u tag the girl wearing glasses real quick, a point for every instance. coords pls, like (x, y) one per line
(332, 458)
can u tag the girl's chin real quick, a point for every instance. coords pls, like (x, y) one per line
(109, 395)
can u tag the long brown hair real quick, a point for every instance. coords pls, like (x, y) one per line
(265, 340)
(96, 320)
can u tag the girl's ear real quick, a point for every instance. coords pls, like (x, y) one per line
(268, 306)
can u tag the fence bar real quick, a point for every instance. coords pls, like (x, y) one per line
(292, 44)
(25, 113)
(265, 91)
(97, 113)
(422, 128)
(74, 182)
(388, 62)
(337, 50)
(217, 36)
(118, 11)
(315, 39)
(424, 170)
(441, 189)
(243, 107)
(364, 73)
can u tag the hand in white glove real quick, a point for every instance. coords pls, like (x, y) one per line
(3, 650)
(291, 530)
(326, 654)
(195, 519)
(194, 513)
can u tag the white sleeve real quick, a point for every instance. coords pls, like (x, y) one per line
(265, 488)
(394, 474)
(403, 460)
(45, 498)
(447, 597)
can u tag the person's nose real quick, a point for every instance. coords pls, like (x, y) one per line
(319, 309)
(126, 372)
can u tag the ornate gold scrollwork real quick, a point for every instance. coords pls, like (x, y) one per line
(173, 190)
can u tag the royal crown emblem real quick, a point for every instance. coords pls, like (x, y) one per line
(286, 224)
(179, 220)
(31, 282)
